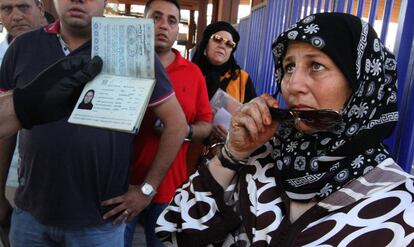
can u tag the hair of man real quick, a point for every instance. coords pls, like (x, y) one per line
(148, 6)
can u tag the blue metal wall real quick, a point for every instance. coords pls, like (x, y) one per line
(243, 45)
(403, 144)
(267, 21)
(255, 44)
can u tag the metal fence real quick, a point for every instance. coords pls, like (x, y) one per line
(268, 20)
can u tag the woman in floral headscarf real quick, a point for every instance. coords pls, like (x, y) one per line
(306, 185)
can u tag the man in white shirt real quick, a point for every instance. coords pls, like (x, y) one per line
(18, 17)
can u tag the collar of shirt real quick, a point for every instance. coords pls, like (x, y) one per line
(54, 28)
(178, 61)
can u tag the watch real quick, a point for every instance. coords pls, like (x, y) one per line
(147, 189)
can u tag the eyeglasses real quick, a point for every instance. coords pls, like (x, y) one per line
(316, 119)
(218, 39)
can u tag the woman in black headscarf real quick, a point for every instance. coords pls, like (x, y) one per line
(310, 176)
(214, 56)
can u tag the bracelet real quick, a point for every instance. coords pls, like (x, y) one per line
(227, 160)
(214, 145)
(190, 133)
(240, 161)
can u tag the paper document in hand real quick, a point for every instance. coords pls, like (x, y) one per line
(224, 106)
(222, 117)
(118, 97)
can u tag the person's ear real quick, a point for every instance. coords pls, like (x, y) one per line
(42, 8)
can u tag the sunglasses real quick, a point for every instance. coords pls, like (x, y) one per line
(317, 119)
(218, 39)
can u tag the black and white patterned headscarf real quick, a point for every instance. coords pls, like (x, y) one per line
(314, 166)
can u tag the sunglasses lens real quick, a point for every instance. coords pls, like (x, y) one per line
(320, 119)
(230, 44)
(218, 39)
(280, 115)
(317, 119)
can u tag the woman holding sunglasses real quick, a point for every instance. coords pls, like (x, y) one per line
(214, 56)
(278, 182)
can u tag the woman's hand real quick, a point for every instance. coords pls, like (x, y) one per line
(219, 132)
(251, 126)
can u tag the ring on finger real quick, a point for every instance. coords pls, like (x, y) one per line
(126, 212)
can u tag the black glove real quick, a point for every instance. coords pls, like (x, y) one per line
(54, 92)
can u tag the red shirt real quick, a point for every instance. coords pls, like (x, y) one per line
(191, 91)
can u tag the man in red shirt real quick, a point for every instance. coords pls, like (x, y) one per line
(190, 89)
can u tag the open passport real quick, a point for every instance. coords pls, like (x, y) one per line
(118, 97)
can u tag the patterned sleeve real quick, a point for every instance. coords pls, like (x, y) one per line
(198, 214)
(163, 89)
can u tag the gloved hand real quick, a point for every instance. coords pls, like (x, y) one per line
(54, 92)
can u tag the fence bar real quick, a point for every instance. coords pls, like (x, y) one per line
(373, 12)
(326, 8)
(349, 6)
(360, 10)
(296, 10)
(312, 6)
(340, 7)
(386, 19)
(318, 9)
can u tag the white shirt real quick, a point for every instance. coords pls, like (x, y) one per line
(3, 47)
(12, 178)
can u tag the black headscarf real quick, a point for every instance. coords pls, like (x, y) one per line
(315, 166)
(213, 72)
